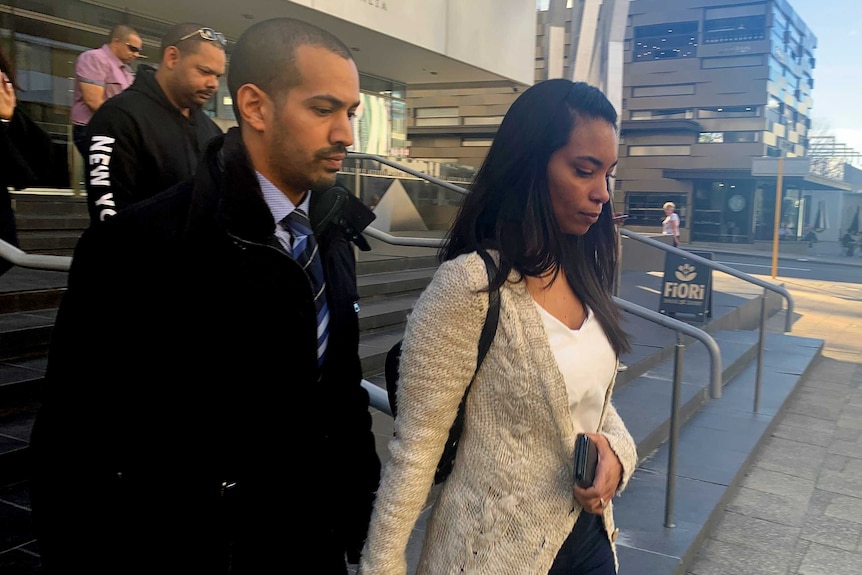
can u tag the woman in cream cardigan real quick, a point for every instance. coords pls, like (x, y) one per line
(540, 206)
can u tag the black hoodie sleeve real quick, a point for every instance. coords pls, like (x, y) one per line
(113, 162)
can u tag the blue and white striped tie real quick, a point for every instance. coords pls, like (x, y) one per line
(304, 251)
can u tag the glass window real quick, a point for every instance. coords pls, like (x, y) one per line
(451, 112)
(728, 112)
(476, 142)
(728, 137)
(739, 29)
(483, 120)
(671, 90)
(646, 208)
(672, 150)
(438, 122)
(665, 41)
(732, 62)
(672, 114)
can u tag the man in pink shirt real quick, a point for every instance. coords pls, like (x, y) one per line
(100, 74)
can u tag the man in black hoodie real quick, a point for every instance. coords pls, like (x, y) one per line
(151, 136)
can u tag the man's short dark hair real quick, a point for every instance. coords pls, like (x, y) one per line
(265, 55)
(190, 44)
(121, 32)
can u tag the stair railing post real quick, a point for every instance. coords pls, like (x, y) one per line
(760, 346)
(674, 431)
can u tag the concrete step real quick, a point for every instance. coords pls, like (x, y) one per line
(49, 223)
(383, 284)
(714, 451)
(26, 333)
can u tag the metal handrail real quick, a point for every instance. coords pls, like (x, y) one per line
(788, 325)
(408, 170)
(788, 321)
(34, 261)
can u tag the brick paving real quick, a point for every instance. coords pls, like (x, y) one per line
(799, 509)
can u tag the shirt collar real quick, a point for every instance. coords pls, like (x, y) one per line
(278, 203)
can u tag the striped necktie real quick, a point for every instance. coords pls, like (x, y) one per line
(304, 251)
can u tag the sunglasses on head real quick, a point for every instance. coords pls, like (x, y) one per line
(206, 34)
(134, 49)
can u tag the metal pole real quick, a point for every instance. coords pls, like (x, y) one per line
(618, 272)
(760, 346)
(777, 223)
(674, 431)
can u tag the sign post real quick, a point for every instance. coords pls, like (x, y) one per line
(686, 287)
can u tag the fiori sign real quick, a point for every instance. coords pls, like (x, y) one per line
(686, 287)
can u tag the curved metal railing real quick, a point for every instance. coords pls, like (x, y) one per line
(34, 261)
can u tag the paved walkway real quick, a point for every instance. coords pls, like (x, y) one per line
(799, 510)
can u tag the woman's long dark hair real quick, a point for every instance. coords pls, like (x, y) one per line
(509, 206)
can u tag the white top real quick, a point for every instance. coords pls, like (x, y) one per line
(667, 226)
(587, 361)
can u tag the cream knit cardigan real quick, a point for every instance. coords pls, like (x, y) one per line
(508, 505)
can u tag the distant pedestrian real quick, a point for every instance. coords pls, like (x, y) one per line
(670, 224)
(100, 74)
(152, 135)
(25, 152)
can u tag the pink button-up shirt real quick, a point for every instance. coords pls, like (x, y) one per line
(100, 67)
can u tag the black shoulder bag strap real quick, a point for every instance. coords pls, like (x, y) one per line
(489, 330)
(493, 317)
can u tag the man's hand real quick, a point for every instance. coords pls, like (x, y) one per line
(7, 97)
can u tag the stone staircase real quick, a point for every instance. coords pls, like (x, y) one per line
(49, 223)
(714, 447)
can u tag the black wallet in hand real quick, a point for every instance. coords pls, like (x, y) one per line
(586, 458)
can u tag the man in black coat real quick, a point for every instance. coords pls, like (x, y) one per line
(187, 425)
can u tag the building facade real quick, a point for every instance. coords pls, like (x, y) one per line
(447, 41)
(709, 88)
(581, 41)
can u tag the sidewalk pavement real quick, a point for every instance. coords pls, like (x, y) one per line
(799, 509)
(830, 252)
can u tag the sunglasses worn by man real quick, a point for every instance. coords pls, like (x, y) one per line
(134, 49)
(207, 34)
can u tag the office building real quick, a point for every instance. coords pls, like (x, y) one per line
(710, 91)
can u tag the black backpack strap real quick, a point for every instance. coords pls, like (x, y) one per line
(489, 330)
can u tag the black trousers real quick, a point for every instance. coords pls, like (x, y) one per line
(586, 551)
(79, 136)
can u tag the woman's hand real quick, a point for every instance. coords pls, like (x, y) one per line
(7, 97)
(609, 474)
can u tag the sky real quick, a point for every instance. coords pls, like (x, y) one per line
(837, 25)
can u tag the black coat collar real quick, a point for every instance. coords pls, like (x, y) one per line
(227, 194)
